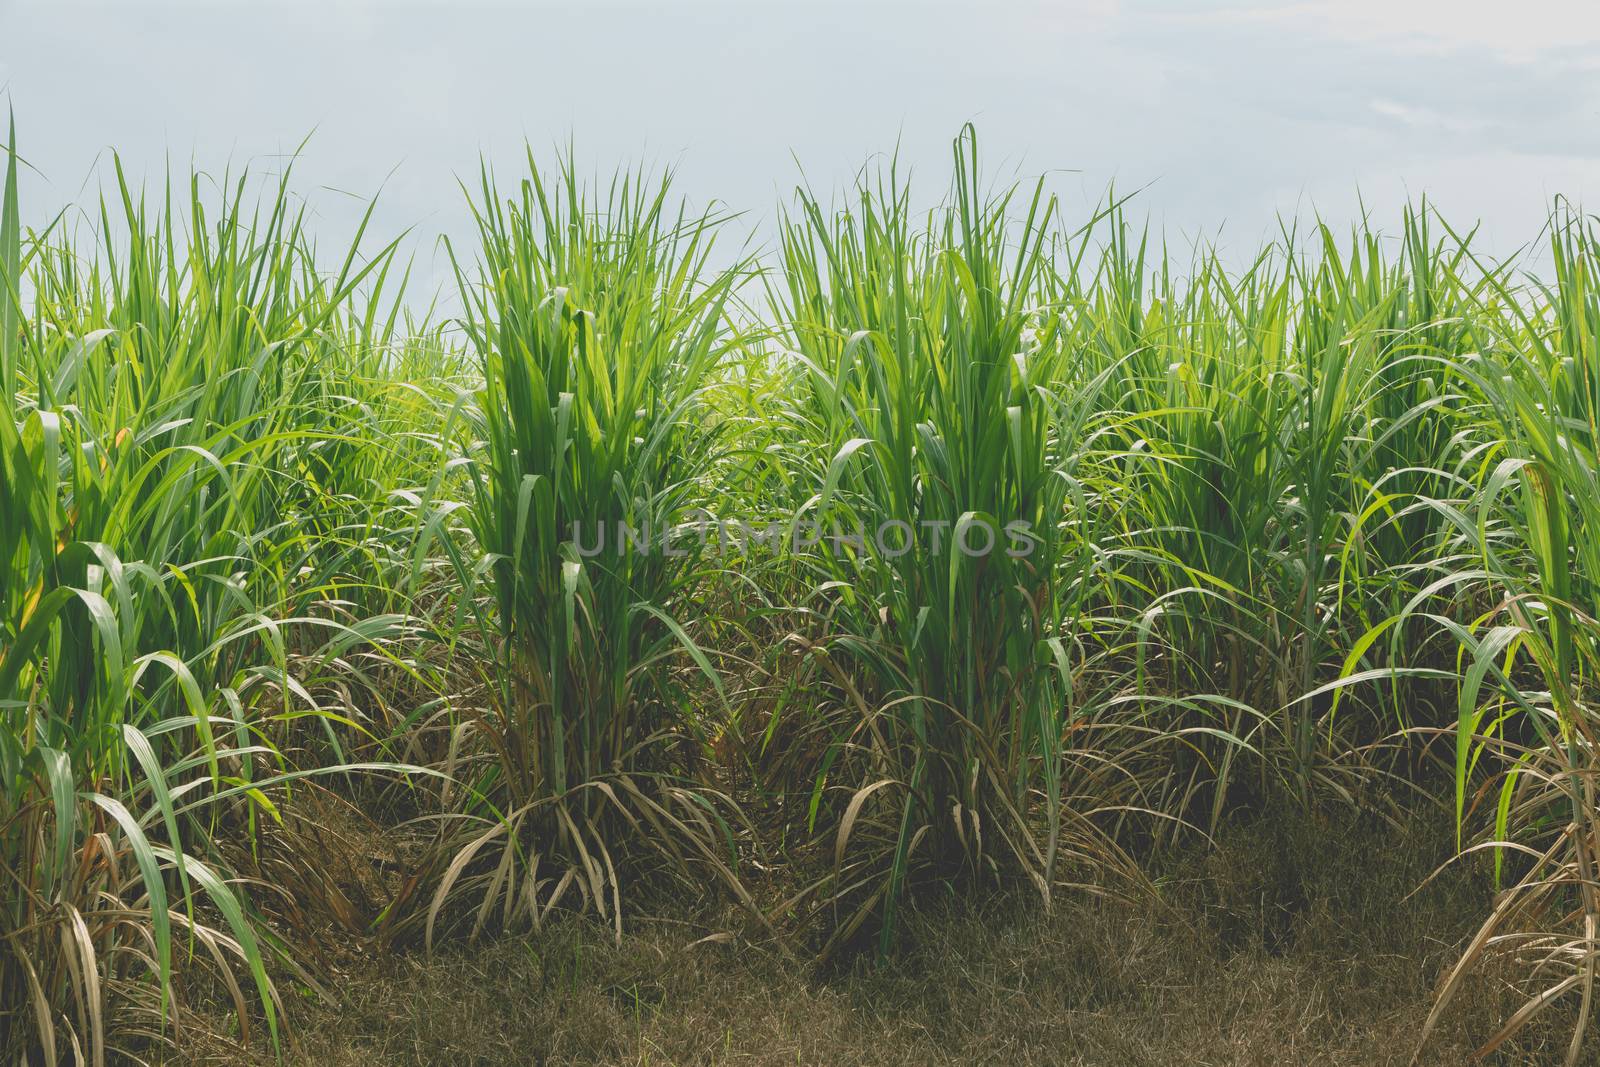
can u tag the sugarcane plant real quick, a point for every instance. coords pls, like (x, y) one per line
(597, 317)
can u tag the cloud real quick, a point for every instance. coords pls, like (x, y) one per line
(1426, 117)
(1530, 30)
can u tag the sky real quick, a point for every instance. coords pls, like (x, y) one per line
(1223, 117)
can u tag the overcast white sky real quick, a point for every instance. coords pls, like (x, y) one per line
(1228, 113)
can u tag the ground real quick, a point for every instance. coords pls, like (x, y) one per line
(1283, 944)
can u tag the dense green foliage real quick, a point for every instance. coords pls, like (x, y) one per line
(1079, 548)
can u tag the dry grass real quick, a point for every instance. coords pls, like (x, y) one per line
(1286, 945)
